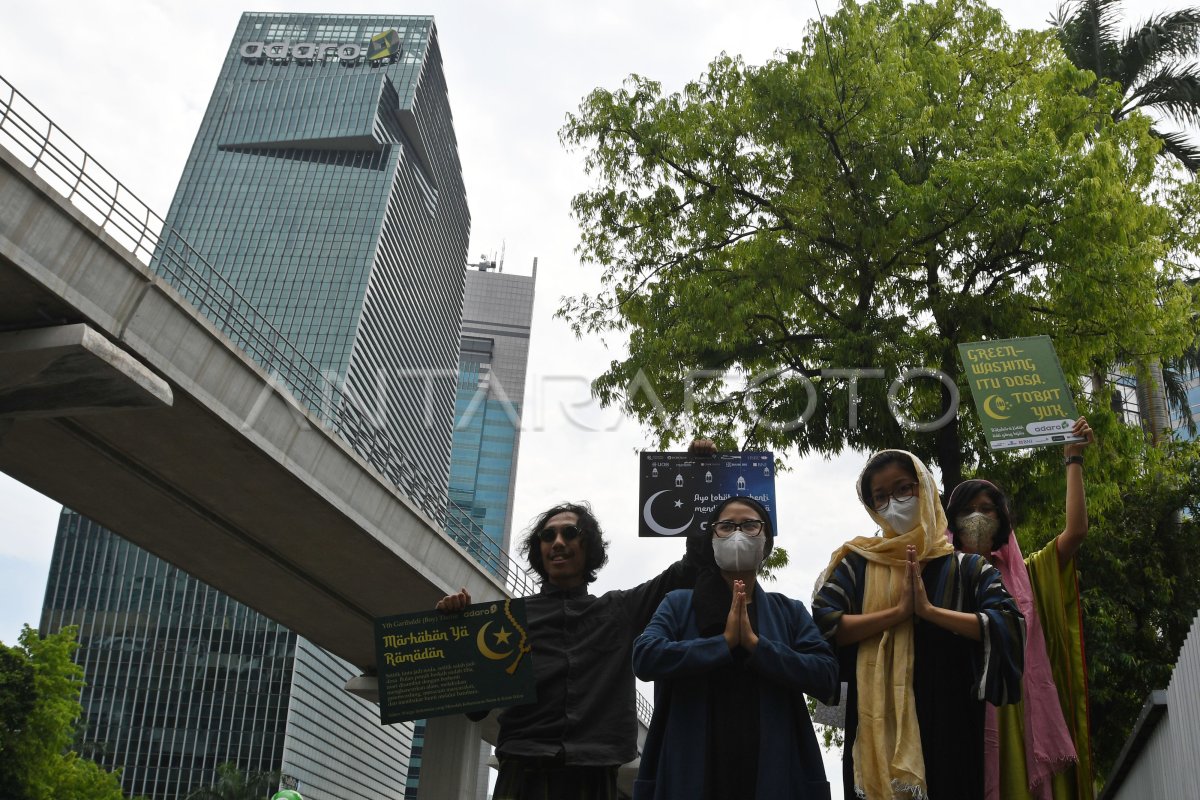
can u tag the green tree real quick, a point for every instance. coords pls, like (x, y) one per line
(1176, 374)
(1152, 66)
(775, 561)
(17, 701)
(39, 703)
(913, 176)
(1152, 63)
(234, 784)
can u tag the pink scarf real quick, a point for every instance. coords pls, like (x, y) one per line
(1048, 745)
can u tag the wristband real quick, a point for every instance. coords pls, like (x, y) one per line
(1069, 460)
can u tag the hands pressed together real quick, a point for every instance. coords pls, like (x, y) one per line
(914, 600)
(738, 631)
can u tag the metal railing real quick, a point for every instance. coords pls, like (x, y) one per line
(645, 709)
(58, 159)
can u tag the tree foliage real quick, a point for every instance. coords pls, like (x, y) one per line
(775, 561)
(39, 703)
(234, 784)
(1152, 63)
(17, 701)
(911, 177)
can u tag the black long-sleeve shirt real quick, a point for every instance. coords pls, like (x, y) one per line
(582, 653)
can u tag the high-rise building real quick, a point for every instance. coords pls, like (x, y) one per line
(324, 185)
(178, 677)
(497, 312)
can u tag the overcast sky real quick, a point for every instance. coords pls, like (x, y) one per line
(129, 81)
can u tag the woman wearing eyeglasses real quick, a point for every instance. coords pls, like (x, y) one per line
(731, 664)
(1038, 748)
(925, 636)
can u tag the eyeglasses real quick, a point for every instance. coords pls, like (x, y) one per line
(750, 527)
(882, 500)
(569, 533)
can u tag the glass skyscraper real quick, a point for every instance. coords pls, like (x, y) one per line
(497, 311)
(325, 185)
(179, 677)
(1190, 379)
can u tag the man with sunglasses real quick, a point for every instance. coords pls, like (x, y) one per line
(583, 727)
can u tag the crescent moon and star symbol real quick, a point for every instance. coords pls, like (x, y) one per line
(502, 636)
(995, 406)
(654, 525)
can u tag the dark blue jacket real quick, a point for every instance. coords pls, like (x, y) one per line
(791, 658)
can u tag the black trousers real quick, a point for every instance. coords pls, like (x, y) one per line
(552, 779)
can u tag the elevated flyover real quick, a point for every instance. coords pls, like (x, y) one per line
(213, 445)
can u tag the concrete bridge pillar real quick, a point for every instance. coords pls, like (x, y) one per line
(450, 760)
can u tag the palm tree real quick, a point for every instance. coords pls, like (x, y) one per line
(1153, 64)
(233, 784)
(1176, 375)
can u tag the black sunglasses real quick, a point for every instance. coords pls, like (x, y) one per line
(569, 533)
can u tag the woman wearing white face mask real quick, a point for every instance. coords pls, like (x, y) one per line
(1040, 747)
(925, 636)
(730, 665)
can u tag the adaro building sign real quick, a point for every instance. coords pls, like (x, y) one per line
(384, 48)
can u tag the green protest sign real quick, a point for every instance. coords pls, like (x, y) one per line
(431, 664)
(1020, 393)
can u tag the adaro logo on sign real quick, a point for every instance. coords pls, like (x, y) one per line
(384, 45)
(384, 48)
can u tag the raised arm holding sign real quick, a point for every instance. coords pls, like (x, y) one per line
(1040, 748)
(1020, 392)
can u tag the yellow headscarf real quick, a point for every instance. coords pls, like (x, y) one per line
(888, 760)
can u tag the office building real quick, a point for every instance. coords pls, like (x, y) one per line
(178, 677)
(324, 185)
(497, 311)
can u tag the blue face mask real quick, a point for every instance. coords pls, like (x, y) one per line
(902, 515)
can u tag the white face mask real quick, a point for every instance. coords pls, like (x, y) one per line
(739, 552)
(976, 531)
(902, 515)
